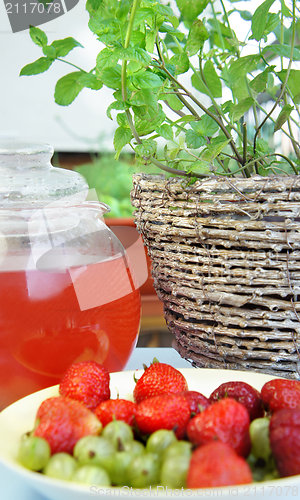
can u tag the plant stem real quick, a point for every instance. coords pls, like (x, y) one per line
(244, 128)
(231, 30)
(274, 121)
(124, 70)
(217, 108)
(71, 64)
(284, 85)
(124, 96)
(293, 141)
(286, 159)
(206, 111)
(180, 96)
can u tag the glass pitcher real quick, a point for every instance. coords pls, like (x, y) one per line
(67, 292)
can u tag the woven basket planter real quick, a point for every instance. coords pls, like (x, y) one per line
(226, 264)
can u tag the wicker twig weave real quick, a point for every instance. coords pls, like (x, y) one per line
(226, 264)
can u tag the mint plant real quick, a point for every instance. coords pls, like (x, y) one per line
(190, 96)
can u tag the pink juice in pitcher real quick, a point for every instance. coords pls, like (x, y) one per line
(50, 319)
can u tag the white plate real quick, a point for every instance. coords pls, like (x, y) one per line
(19, 418)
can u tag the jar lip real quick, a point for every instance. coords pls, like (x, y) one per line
(13, 147)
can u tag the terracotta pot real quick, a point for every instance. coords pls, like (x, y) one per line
(125, 230)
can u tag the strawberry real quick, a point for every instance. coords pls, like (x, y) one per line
(116, 409)
(285, 440)
(87, 382)
(244, 394)
(159, 378)
(197, 401)
(62, 421)
(281, 393)
(226, 420)
(217, 464)
(165, 411)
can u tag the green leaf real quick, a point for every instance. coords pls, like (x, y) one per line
(64, 46)
(198, 83)
(38, 36)
(111, 77)
(181, 63)
(212, 79)
(227, 106)
(196, 37)
(190, 9)
(49, 51)
(150, 40)
(145, 125)
(262, 146)
(200, 167)
(166, 12)
(165, 28)
(90, 81)
(122, 137)
(206, 126)
(135, 54)
(117, 105)
(93, 5)
(211, 85)
(146, 80)
(194, 140)
(107, 58)
(241, 108)
(293, 82)
(259, 83)
(147, 148)
(283, 50)
(283, 116)
(38, 66)
(67, 88)
(143, 14)
(285, 10)
(214, 148)
(173, 101)
(122, 120)
(165, 131)
(240, 67)
(137, 39)
(273, 21)
(260, 18)
(245, 14)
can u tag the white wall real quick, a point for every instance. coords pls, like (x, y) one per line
(27, 107)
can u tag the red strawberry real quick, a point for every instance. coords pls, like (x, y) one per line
(244, 394)
(87, 382)
(62, 421)
(281, 393)
(166, 411)
(118, 409)
(285, 440)
(159, 378)
(197, 401)
(226, 420)
(217, 464)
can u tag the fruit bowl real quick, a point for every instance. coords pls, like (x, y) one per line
(19, 418)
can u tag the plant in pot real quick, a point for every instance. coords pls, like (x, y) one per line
(208, 105)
